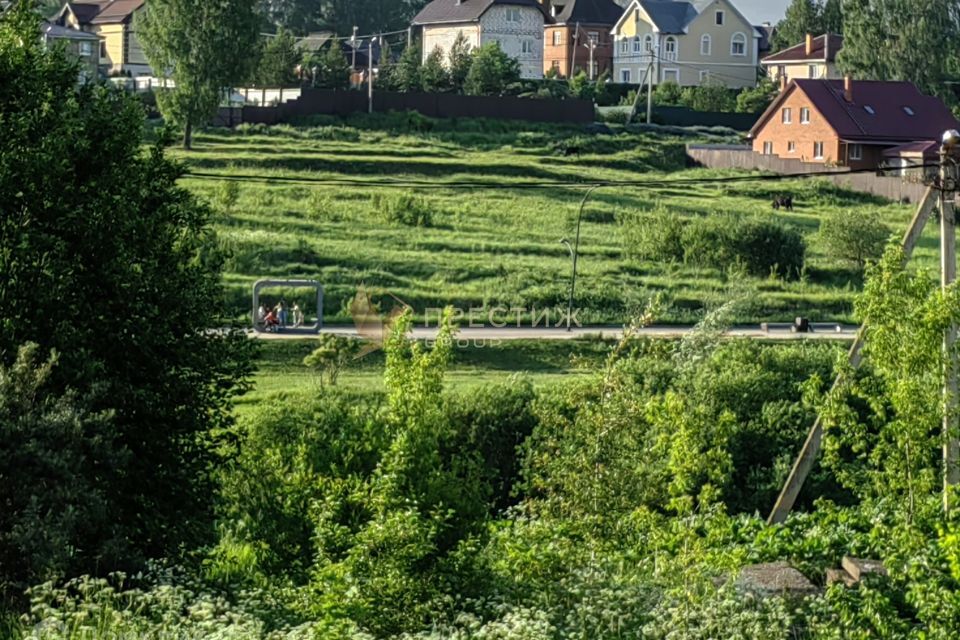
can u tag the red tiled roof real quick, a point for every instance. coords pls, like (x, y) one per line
(798, 53)
(881, 112)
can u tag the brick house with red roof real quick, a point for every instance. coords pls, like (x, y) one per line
(813, 59)
(850, 123)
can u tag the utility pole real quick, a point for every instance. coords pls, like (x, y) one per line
(650, 70)
(948, 275)
(370, 74)
(573, 51)
(591, 45)
(353, 62)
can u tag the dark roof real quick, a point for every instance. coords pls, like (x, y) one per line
(51, 30)
(670, 16)
(820, 50)
(448, 11)
(605, 12)
(766, 32)
(86, 11)
(891, 103)
(117, 11)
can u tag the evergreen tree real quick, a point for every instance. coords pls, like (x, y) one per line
(901, 40)
(205, 47)
(460, 58)
(330, 68)
(406, 74)
(831, 17)
(491, 72)
(434, 76)
(279, 61)
(803, 17)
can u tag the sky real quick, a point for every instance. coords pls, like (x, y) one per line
(760, 11)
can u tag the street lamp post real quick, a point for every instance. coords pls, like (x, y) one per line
(370, 73)
(575, 252)
(353, 62)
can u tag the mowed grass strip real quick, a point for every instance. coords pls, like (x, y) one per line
(500, 246)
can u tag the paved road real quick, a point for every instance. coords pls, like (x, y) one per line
(821, 331)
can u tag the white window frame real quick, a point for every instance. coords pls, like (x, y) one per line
(704, 76)
(557, 37)
(526, 47)
(791, 147)
(719, 18)
(625, 76)
(706, 45)
(856, 152)
(786, 115)
(624, 45)
(648, 43)
(768, 148)
(513, 14)
(668, 44)
(812, 72)
(673, 72)
(636, 44)
(738, 39)
(86, 49)
(818, 150)
(804, 115)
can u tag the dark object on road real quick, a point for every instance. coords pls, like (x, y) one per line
(783, 202)
(801, 325)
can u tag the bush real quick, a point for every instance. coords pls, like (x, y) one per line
(711, 96)
(668, 94)
(757, 99)
(332, 356)
(491, 72)
(761, 246)
(407, 209)
(855, 236)
(657, 235)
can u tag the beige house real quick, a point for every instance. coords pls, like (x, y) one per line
(114, 23)
(85, 47)
(690, 42)
(813, 59)
(515, 25)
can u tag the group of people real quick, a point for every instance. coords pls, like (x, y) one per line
(280, 316)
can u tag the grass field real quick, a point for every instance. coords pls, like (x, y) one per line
(497, 246)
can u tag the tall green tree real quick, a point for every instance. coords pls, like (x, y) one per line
(491, 71)
(106, 261)
(434, 75)
(330, 68)
(205, 47)
(831, 16)
(278, 61)
(405, 76)
(459, 59)
(902, 40)
(803, 17)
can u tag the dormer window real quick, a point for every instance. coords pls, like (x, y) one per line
(909, 111)
(869, 110)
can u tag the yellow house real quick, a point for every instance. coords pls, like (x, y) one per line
(691, 42)
(814, 59)
(114, 23)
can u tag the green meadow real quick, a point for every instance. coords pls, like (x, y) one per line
(433, 242)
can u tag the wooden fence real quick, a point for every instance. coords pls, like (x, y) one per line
(900, 188)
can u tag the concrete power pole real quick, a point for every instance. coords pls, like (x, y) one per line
(370, 73)
(353, 61)
(650, 69)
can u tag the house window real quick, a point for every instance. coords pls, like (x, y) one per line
(706, 44)
(526, 46)
(86, 49)
(805, 115)
(704, 77)
(103, 49)
(738, 45)
(786, 115)
(624, 45)
(625, 76)
(555, 65)
(719, 18)
(813, 71)
(670, 48)
(791, 147)
(818, 150)
(513, 15)
(557, 38)
(671, 75)
(648, 43)
(593, 37)
(636, 45)
(856, 152)
(768, 148)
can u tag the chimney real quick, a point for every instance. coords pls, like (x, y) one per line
(809, 44)
(826, 48)
(848, 88)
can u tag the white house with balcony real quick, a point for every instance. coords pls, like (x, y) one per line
(515, 25)
(689, 42)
